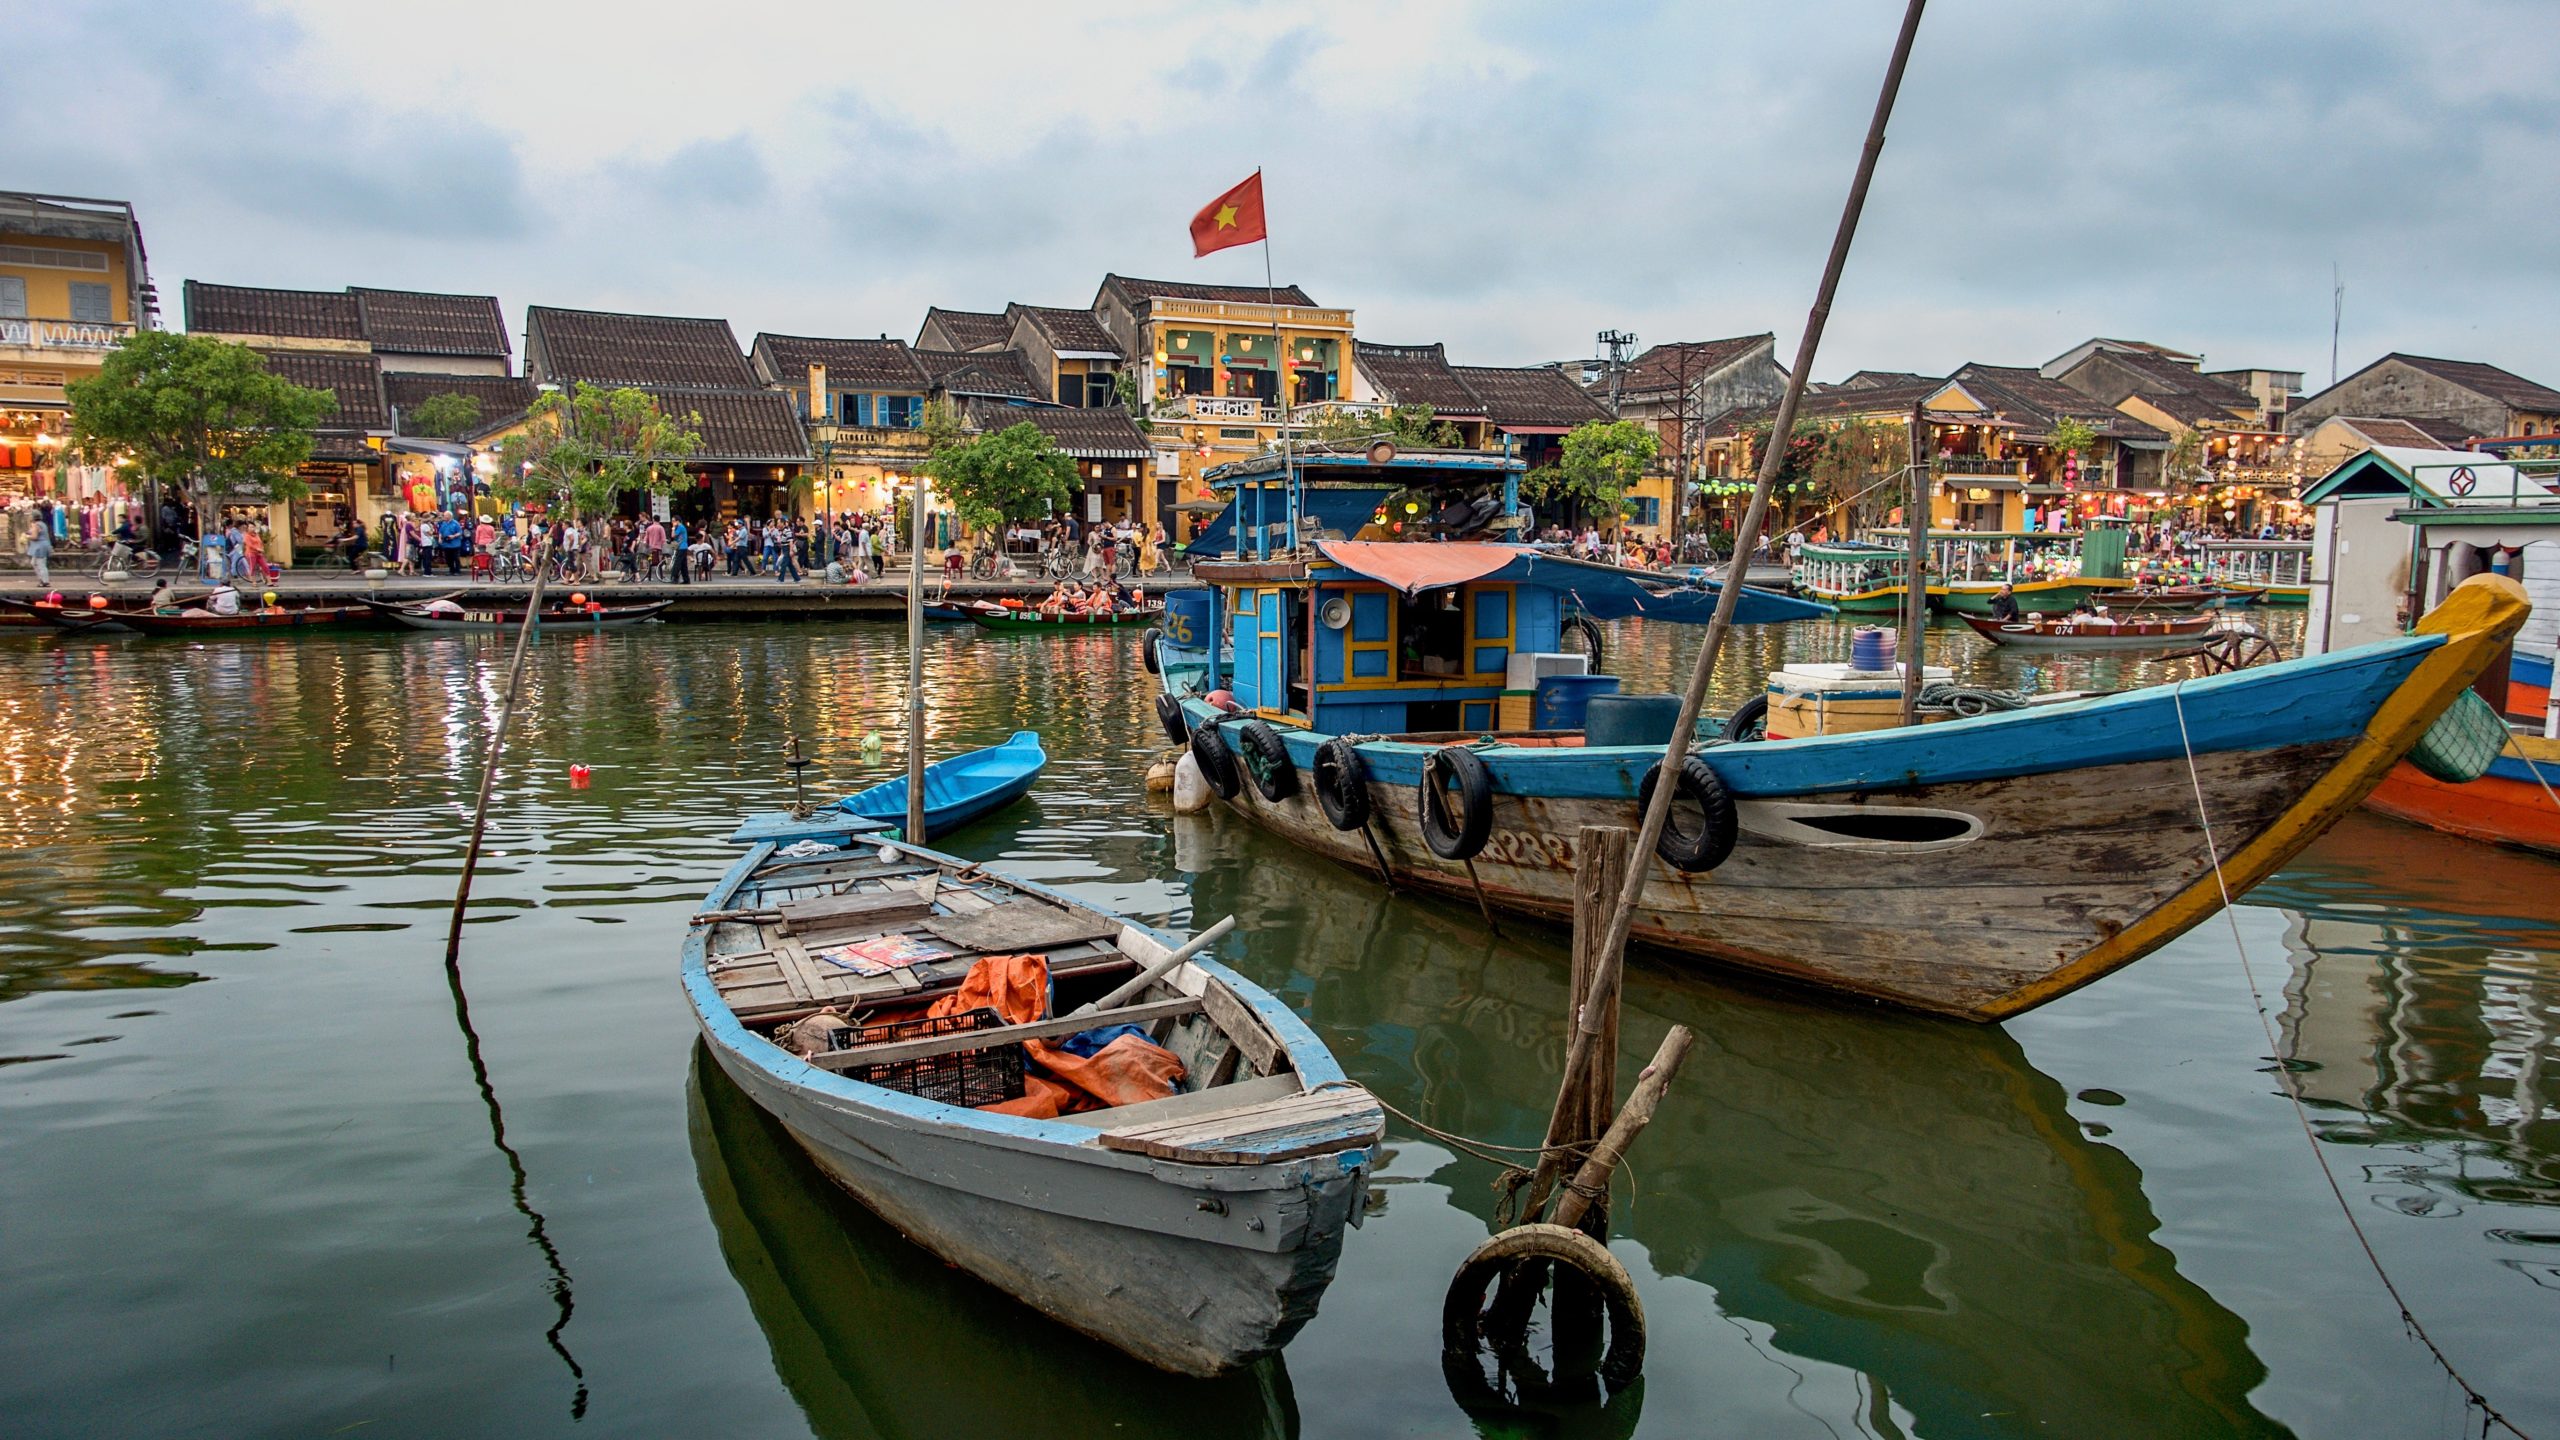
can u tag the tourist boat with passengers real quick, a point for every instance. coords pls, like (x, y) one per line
(1029, 620)
(2397, 530)
(2280, 570)
(2047, 572)
(194, 620)
(1074, 1107)
(1858, 577)
(562, 615)
(1348, 692)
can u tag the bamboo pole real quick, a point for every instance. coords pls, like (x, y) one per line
(1613, 950)
(497, 742)
(915, 675)
(1915, 579)
(1592, 1180)
(1600, 855)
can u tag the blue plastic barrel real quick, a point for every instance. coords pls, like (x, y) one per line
(1630, 719)
(1188, 622)
(1871, 648)
(1562, 699)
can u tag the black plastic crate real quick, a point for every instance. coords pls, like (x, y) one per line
(965, 1078)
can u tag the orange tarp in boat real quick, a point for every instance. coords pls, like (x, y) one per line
(1128, 1070)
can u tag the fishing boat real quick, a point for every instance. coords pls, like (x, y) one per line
(1857, 576)
(2046, 572)
(82, 619)
(2399, 527)
(960, 789)
(2280, 570)
(1027, 620)
(947, 611)
(2103, 632)
(2181, 597)
(1975, 866)
(204, 622)
(553, 617)
(1197, 1231)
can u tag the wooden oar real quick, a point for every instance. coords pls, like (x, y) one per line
(1158, 970)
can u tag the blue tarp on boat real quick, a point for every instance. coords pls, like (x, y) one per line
(1343, 512)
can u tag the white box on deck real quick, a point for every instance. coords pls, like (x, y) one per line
(1831, 678)
(1527, 666)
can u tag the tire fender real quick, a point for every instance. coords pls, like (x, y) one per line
(1750, 721)
(1217, 762)
(1458, 836)
(1266, 760)
(1699, 847)
(1147, 650)
(1177, 726)
(1340, 779)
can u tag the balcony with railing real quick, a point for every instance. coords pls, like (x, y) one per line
(855, 442)
(88, 337)
(1214, 407)
(1245, 313)
(2010, 467)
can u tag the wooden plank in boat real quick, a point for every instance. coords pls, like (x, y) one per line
(1242, 1026)
(1021, 925)
(1303, 1125)
(1001, 1035)
(831, 912)
(1242, 1095)
(776, 1005)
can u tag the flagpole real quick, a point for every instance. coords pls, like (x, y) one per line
(1279, 371)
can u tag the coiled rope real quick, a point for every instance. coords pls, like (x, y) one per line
(2489, 1414)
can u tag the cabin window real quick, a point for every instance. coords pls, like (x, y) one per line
(1434, 627)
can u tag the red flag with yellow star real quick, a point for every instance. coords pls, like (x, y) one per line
(1234, 218)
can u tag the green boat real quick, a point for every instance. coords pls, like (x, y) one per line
(1026, 621)
(2047, 573)
(1856, 577)
(2281, 568)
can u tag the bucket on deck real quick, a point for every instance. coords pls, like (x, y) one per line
(1871, 647)
(1188, 618)
(1645, 720)
(1562, 699)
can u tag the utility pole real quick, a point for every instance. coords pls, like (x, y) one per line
(1615, 344)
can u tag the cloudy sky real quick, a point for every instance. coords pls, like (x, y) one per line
(1509, 177)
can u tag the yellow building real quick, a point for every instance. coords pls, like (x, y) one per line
(74, 282)
(1220, 369)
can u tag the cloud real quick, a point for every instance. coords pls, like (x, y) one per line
(1507, 176)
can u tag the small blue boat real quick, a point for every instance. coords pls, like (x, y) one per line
(960, 789)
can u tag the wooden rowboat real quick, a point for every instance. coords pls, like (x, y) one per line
(562, 617)
(79, 619)
(317, 617)
(1196, 1231)
(2044, 632)
(1027, 621)
(960, 789)
(2180, 597)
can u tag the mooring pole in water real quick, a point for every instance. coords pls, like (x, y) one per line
(1747, 536)
(497, 742)
(915, 678)
(1915, 579)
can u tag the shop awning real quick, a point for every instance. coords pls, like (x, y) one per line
(1605, 592)
(412, 445)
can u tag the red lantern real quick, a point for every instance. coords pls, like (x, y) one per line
(97, 602)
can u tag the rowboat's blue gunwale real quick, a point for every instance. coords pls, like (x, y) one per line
(954, 814)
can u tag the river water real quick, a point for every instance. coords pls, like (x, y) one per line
(263, 1172)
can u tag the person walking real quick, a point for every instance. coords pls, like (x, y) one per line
(678, 537)
(449, 540)
(40, 548)
(653, 540)
(782, 549)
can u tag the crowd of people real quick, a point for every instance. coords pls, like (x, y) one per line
(852, 549)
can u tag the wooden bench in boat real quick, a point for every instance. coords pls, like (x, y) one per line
(993, 1036)
(1252, 1134)
(1190, 1104)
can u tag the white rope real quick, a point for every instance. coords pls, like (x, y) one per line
(2489, 1413)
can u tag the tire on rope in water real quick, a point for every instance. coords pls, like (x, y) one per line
(1474, 801)
(1217, 762)
(1340, 779)
(1706, 846)
(1147, 650)
(1750, 721)
(1177, 726)
(1462, 1310)
(1589, 630)
(1266, 760)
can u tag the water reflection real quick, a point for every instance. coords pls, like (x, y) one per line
(1905, 1198)
(875, 1337)
(2426, 1032)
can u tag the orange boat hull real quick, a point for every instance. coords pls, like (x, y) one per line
(2493, 808)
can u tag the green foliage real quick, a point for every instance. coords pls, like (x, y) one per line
(583, 448)
(446, 417)
(2184, 464)
(1124, 392)
(1009, 474)
(1599, 460)
(192, 408)
(1409, 427)
(2072, 437)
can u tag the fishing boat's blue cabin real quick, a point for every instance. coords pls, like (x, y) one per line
(1388, 593)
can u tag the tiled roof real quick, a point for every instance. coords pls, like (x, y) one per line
(978, 372)
(1660, 367)
(969, 329)
(1416, 375)
(499, 395)
(1897, 396)
(1133, 292)
(417, 323)
(347, 375)
(2391, 432)
(642, 350)
(2024, 394)
(1105, 433)
(1537, 395)
(1079, 330)
(874, 365)
(2171, 387)
(286, 314)
(2506, 387)
(738, 426)
(1870, 379)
